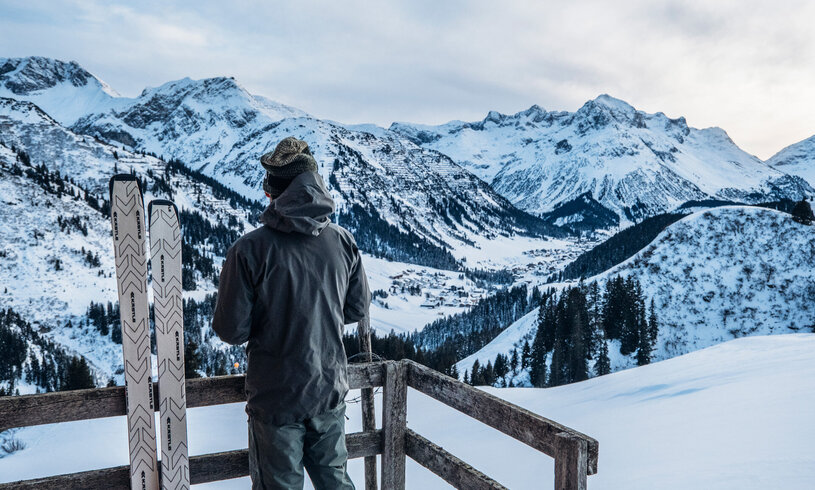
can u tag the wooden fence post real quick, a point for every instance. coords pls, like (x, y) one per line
(367, 396)
(571, 462)
(394, 422)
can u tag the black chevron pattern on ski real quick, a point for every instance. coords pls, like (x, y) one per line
(127, 221)
(165, 258)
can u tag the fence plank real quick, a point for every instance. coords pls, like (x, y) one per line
(203, 469)
(394, 419)
(519, 423)
(570, 462)
(67, 406)
(367, 398)
(451, 469)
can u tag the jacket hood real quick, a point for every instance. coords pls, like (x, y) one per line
(304, 207)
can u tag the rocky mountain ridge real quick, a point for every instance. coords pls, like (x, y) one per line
(634, 163)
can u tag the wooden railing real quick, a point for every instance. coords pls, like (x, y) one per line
(575, 453)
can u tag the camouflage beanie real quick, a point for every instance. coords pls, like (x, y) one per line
(289, 159)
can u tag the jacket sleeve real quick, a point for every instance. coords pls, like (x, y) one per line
(358, 296)
(232, 320)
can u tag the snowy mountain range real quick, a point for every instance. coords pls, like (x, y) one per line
(217, 127)
(634, 163)
(411, 194)
(716, 275)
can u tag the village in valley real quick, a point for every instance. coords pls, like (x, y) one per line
(435, 287)
(442, 290)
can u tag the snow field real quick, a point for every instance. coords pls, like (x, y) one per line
(734, 416)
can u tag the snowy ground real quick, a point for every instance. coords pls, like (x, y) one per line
(734, 416)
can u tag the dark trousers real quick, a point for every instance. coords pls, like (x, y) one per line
(278, 453)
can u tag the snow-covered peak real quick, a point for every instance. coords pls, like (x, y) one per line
(797, 159)
(216, 126)
(613, 102)
(534, 114)
(803, 150)
(23, 76)
(65, 90)
(608, 103)
(634, 163)
(68, 93)
(221, 92)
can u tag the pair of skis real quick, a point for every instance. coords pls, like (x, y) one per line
(127, 219)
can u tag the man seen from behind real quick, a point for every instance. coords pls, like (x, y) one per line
(287, 288)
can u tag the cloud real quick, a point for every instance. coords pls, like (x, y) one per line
(745, 66)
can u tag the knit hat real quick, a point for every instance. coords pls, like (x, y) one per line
(289, 159)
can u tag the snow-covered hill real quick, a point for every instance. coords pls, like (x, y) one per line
(55, 251)
(726, 273)
(634, 163)
(716, 275)
(797, 159)
(66, 89)
(217, 127)
(733, 416)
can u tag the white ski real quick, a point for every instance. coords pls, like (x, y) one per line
(165, 253)
(127, 219)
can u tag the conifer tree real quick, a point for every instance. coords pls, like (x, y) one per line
(556, 377)
(489, 374)
(577, 348)
(501, 366)
(475, 377)
(653, 325)
(603, 364)
(802, 212)
(633, 316)
(192, 360)
(77, 375)
(525, 355)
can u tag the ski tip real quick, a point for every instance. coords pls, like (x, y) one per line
(159, 202)
(122, 178)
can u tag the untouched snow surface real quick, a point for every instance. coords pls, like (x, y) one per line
(734, 416)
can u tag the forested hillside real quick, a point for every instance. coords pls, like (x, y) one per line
(712, 276)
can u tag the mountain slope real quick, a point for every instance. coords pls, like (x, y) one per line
(797, 159)
(66, 89)
(56, 257)
(217, 127)
(634, 163)
(716, 275)
(213, 126)
(55, 254)
(725, 273)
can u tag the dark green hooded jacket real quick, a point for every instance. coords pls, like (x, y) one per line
(287, 288)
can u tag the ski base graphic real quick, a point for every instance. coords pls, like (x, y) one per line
(127, 220)
(165, 260)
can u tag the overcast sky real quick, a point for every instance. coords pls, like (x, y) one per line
(746, 66)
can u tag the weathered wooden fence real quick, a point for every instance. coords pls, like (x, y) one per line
(575, 454)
